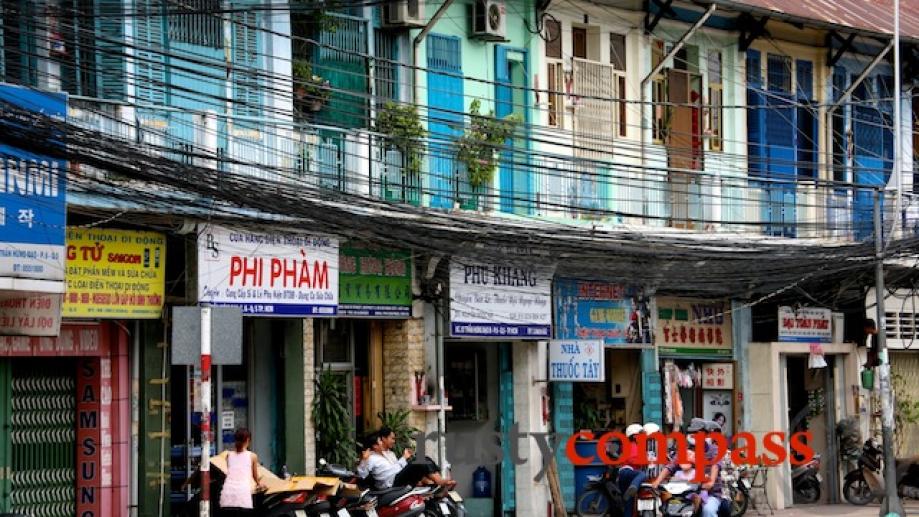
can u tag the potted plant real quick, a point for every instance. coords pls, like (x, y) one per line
(401, 129)
(311, 89)
(478, 148)
(398, 421)
(332, 419)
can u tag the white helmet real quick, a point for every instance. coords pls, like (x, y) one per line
(651, 428)
(633, 429)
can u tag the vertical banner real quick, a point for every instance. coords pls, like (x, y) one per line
(32, 195)
(490, 300)
(89, 437)
(268, 274)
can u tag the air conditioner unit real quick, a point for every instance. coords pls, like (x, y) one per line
(489, 20)
(404, 13)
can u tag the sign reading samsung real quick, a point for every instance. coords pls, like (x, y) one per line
(32, 197)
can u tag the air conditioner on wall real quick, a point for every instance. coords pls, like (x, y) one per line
(489, 20)
(404, 13)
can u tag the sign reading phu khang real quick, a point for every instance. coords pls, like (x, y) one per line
(32, 196)
(507, 300)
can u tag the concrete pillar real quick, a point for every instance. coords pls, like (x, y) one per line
(309, 379)
(529, 365)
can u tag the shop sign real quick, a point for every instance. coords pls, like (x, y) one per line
(805, 325)
(600, 310)
(30, 314)
(115, 274)
(489, 300)
(268, 274)
(374, 283)
(576, 361)
(718, 376)
(690, 326)
(718, 406)
(73, 340)
(94, 440)
(32, 197)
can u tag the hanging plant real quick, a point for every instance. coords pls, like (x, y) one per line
(332, 419)
(401, 128)
(478, 148)
(310, 88)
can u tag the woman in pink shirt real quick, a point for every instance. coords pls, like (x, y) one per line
(242, 470)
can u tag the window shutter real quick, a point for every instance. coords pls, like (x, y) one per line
(110, 58)
(246, 97)
(150, 62)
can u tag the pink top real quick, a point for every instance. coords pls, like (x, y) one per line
(237, 489)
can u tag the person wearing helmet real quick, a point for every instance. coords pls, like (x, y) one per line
(712, 484)
(631, 473)
(649, 429)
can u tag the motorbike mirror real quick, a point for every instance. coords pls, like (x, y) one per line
(322, 462)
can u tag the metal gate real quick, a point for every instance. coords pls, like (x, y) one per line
(39, 413)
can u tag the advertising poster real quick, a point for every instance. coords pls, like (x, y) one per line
(576, 361)
(32, 197)
(268, 274)
(490, 300)
(690, 326)
(115, 274)
(609, 312)
(374, 283)
(718, 406)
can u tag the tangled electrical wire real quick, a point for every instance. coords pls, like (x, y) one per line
(157, 189)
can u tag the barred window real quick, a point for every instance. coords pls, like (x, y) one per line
(197, 22)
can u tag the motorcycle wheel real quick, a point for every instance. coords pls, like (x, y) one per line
(857, 491)
(807, 492)
(739, 503)
(593, 504)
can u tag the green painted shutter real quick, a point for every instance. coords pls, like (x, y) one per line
(110, 59)
(563, 422)
(246, 98)
(651, 389)
(150, 62)
(506, 393)
(340, 58)
(42, 438)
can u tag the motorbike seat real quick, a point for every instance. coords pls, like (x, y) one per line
(680, 487)
(386, 497)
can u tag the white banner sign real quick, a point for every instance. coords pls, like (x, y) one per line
(30, 314)
(576, 361)
(806, 325)
(268, 274)
(500, 301)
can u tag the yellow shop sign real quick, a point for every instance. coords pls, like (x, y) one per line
(115, 274)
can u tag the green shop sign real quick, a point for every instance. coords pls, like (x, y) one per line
(374, 283)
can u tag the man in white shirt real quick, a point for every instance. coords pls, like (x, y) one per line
(415, 472)
(380, 466)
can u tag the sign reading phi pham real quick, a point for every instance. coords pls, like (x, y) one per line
(805, 325)
(500, 300)
(268, 274)
(576, 361)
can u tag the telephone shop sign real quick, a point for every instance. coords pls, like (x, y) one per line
(576, 361)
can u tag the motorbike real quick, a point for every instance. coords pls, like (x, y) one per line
(392, 502)
(285, 504)
(806, 480)
(735, 482)
(866, 482)
(677, 499)
(602, 495)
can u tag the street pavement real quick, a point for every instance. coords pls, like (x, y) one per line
(839, 510)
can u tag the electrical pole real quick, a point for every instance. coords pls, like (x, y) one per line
(891, 504)
(205, 507)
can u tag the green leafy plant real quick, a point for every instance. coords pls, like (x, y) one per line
(310, 87)
(401, 128)
(332, 419)
(478, 147)
(906, 412)
(588, 417)
(398, 421)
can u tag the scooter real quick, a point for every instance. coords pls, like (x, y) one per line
(866, 482)
(677, 499)
(393, 502)
(602, 495)
(806, 480)
(736, 483)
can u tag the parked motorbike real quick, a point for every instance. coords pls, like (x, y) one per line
(735, 483)
(677, 499)
(393, 502)
(284, 504)
(866, 482)
(806, 480)
(601, 496)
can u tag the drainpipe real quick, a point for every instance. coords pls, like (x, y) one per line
(644, 82)
(417, 42)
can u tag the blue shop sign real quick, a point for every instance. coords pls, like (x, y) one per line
(33, 207)
(612, 313)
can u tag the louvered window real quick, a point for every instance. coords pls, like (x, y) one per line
(197, 22)
(150, 63)
(386, 69)
(778, 71)
(19, 42)
(246, 89)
